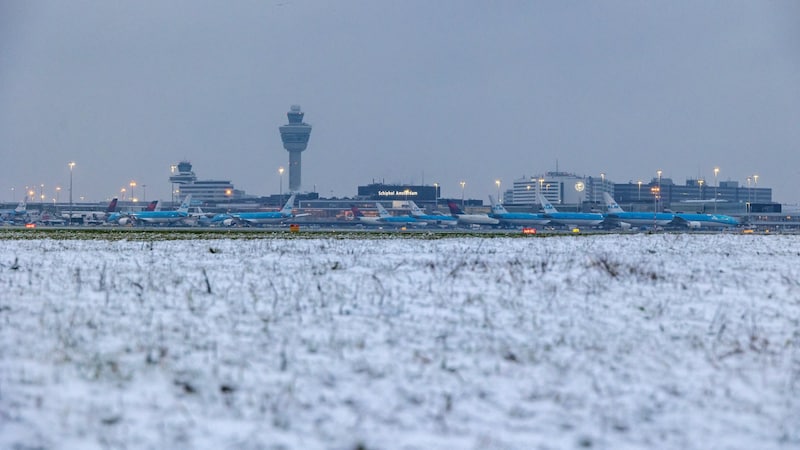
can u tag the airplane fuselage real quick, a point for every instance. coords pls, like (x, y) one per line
(576, 219)
(476, 219)
(521, 219)
(642, 218)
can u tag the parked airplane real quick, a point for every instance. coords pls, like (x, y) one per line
(258, 218)
(470, 219)
(570, 219)
(515, 218)
(704, 220)
(617, 215)
(366, 220)
(386, 218)
(154, 217)
(436, 218)
(17, 213)
(98, 217)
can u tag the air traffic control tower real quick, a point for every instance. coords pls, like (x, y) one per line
(295, 139)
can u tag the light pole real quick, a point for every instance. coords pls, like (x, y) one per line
(41, 193)
(435, 196)
(122, 191)
(658, 196)
(172, 169)
(13, 195)
(280, 172)
(144, 192)
(716, 185)
(71, 166)
(755, 191)
(58, 191)
(748, 193)
(497, 182)
(656, 192)
(640, 188)
(463, 183)
(700, 188)
(132, 184)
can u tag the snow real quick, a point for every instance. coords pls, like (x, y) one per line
(608, 341)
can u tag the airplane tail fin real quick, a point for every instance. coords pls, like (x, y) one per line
(289, 206)
(382, 211)
(152, 206)
(415, 211)
(21, 208)
(611, 206)
(185, 205)
(112, 205)
(497, 208)
(454, 209)
(356, 212)
(546, 205)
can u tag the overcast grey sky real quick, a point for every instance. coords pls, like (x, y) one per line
(397, 91)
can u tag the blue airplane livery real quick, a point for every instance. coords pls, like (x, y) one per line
(570, 219)
(516, 218)
(259, 217)
(153, 217)
(436, 219)
(616, 215)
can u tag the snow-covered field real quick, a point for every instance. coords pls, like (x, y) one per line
(635, 341)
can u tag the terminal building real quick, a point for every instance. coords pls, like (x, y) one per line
(559, 188)
(185, 182)
(695, 195)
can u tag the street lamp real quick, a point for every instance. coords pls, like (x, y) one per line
(280, 172)
(58, 191)
(71, 166)
(436, 196)
(716, 185)
(640, 188)
(700, 188)
(659, 172)
(41, 193)
(656, 194)
(755, 191)
(172, 169)
(13, 195)
(144, 192)
(463, 183)
(122, 191)
(497, 182)
(748, 190)
(132, 184)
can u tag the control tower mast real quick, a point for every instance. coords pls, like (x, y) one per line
(295, 139)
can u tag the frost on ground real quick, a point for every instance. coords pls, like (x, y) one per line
(637, 341)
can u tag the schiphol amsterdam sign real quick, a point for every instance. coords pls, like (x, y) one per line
(405, 193)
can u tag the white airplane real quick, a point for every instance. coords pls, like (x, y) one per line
(366, 220)
(470, 219)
